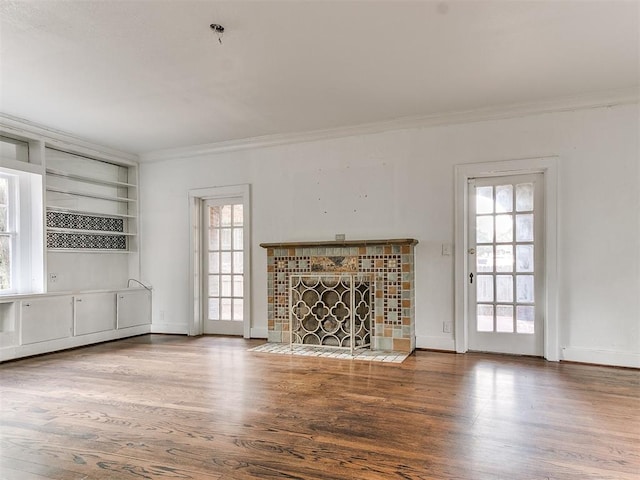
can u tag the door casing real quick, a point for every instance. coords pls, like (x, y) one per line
(548, 166)
(196, 200)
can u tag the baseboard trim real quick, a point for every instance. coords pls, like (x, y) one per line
(259, 333)
(171, 328)
(601, 357)
(435, 343)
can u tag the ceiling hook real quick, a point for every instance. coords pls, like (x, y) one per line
(219, 30)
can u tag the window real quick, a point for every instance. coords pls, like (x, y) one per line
(8, 235)
(21, 232)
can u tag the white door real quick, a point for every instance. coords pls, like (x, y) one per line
(223, 276)
(506, 256)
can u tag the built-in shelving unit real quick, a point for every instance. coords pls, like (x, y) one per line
(91, 204)
(75, 206)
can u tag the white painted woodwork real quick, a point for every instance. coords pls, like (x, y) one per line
(91, 186)
(8, 324)
(501, 339)
(46, 319)
(94, 312)
(31, 325)
(133, 308)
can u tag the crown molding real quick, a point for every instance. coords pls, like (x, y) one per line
(18, 127)
(600, 100)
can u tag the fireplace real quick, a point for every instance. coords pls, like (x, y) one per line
(348, 294)
(331, 310)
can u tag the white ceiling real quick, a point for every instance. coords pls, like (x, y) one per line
(143, 76)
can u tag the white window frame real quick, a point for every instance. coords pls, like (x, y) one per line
(196, 198)
(13, 217)
(27, 232)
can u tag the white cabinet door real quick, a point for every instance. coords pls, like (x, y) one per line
(134, 308)
(95, 312)
(46, 319)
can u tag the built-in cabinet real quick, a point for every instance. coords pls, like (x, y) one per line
(132, 309)
(38, 324)
(95, 312)
(77, 238)
(45, 319)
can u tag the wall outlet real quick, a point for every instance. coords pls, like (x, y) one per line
(446, 327)
(53, 277)
(446, 249)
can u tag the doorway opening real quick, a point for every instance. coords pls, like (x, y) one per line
(220, 261)
(506, 264)
(506, 286)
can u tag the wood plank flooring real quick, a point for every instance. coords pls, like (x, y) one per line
(174, 407)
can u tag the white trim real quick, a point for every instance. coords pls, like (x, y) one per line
(601, 357)
(435, 343)
(23, 129)
(169, 328)
(549, 167)
(598, 100)
(259, 332)
(195, 214)
(21, 166)
(27, 231)
(196, 196)
(19, 351)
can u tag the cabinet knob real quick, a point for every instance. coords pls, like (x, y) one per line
(78, 299)
(27, 304)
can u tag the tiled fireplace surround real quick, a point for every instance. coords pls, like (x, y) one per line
(390, 262)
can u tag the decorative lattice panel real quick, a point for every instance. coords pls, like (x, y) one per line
(84, 222)
(88, 241)
(331, 310)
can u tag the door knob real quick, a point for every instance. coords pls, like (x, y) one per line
(472, 251)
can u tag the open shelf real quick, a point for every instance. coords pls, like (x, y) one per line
(83, 178)
(90, 195)
(82, 193)
(88, 213)
(88, 232)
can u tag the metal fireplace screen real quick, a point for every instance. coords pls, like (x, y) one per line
(332, 310)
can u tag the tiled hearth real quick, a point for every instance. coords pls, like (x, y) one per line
(390, 263)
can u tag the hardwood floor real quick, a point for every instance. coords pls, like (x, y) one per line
(173, 407)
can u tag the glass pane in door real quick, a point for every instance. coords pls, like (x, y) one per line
(504, 222)
(225, 265)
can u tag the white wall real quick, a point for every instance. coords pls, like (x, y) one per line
(77, 271)
(400, 184)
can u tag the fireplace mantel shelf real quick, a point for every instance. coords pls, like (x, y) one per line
(341, 243)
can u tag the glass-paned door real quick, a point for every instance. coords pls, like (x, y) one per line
(224, 277)
(506, 281)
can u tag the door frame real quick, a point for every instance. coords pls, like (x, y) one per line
(548, 166)
(196, 199)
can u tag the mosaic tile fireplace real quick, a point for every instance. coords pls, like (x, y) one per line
(389, 264)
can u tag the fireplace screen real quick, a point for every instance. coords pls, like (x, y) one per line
(332, 310)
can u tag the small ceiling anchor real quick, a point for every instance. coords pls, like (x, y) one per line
(219, 30)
